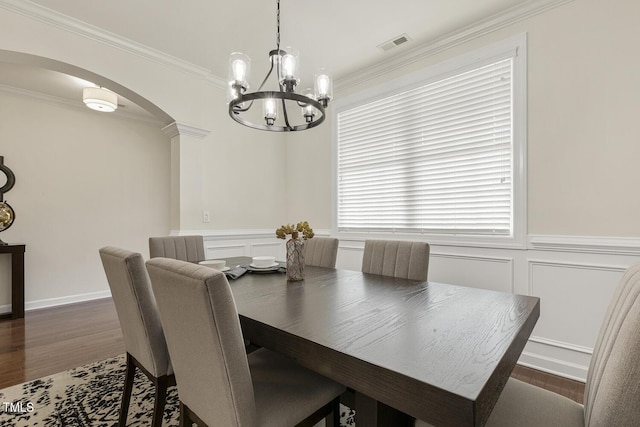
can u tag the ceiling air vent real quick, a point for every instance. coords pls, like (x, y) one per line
(396, 41)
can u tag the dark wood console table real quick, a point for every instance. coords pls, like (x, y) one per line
(17, 279)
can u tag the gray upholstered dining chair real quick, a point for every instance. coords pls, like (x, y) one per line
(185, 248)
(218, 383)
(141, 328)
(612, 391)
(321, 252)
(408, 260)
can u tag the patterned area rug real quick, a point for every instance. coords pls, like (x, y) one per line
(89, 396)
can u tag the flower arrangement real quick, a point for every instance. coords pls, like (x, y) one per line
(302, 227)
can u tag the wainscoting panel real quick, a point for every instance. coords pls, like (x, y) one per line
(350, 255)
(483, 272)
(250, 243)
(577, 289)
(214, 251)
(276, 249)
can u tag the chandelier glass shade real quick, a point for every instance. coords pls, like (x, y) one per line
(100, 99)
(278, 105)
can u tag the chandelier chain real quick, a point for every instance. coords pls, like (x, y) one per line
(278, 32)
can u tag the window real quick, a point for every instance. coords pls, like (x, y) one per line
(439, 156)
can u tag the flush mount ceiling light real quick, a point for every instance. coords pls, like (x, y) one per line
(100, 99)
(277, 103)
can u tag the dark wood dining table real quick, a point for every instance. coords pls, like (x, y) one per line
(409, 349)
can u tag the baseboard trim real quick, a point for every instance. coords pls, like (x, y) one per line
(54, 302)
(550, 365)
(541, 365)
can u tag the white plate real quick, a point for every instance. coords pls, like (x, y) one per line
(275, 264)
(206, 264)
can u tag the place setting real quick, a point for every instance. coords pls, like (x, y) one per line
(265, 264)
(259, 264)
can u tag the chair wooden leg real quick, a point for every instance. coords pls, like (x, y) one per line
(185, 421)
(126, 393)
(333, 419)
(162, 383)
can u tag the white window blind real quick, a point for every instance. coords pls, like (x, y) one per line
(434, 159)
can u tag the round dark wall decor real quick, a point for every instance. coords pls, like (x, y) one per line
(11, 178)
(7, 214)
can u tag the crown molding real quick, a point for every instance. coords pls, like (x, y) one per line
(16, 91)
(175, 129)
(448, 41)
(76, 105)
(58, 20)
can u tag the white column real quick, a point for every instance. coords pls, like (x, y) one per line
(186, 175)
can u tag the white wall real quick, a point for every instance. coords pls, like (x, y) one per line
(83, 180)
(244, 175)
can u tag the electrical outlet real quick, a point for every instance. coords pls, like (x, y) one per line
(206, 217)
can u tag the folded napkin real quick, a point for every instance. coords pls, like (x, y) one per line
(235, 273)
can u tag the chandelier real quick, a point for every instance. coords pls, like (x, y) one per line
(277, 104)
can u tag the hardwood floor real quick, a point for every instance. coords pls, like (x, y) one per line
(574, 390)
(56, 339)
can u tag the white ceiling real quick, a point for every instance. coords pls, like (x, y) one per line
(341, 35)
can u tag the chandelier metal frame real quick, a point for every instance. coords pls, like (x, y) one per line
(242, 101)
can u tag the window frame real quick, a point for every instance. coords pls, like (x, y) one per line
(514, 47)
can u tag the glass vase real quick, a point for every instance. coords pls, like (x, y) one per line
(295, 258)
